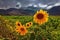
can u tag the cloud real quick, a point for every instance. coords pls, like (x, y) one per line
(35, 5)
(7, 3)
(42, 5)
(49, 7)
(24, 3)
(57, 4)
(30, 4)
(18, 5)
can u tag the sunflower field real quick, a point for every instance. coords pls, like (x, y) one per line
(41, 27)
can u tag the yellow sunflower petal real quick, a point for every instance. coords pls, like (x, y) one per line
(21, 30)
(29, 24)
(18, 23)
(40, 17)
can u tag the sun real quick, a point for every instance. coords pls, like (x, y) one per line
(21, 30)
(40, 17)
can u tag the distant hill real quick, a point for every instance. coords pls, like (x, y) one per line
(28, 11)
(54, 11)
(14, 11)
(2, 12)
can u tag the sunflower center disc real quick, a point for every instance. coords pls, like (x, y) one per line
(40, 16)
(18, 24)
(22, 29)
(30, 23)
(27, 24)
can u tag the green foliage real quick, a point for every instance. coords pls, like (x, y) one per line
(6, 30)
(48, 31)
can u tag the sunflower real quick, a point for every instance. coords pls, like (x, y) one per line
(21, 30)
(40, 17)
(18, 23)
(29, 24)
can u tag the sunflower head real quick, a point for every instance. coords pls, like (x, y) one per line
(40, 17)
(29, 24)
(18, 23)
(21, 30)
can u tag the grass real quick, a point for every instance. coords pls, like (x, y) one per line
(23, 19)
(48, 31)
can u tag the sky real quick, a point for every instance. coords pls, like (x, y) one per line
(25, 3)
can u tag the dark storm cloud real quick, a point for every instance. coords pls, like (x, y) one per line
(49, 2)
(38, 1)
(7, 3)
(12, 3)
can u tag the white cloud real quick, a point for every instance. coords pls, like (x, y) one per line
(35, 5)
(49, 7)
(18, 3)
(29, 5)
(42, 5)
(57, 4)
